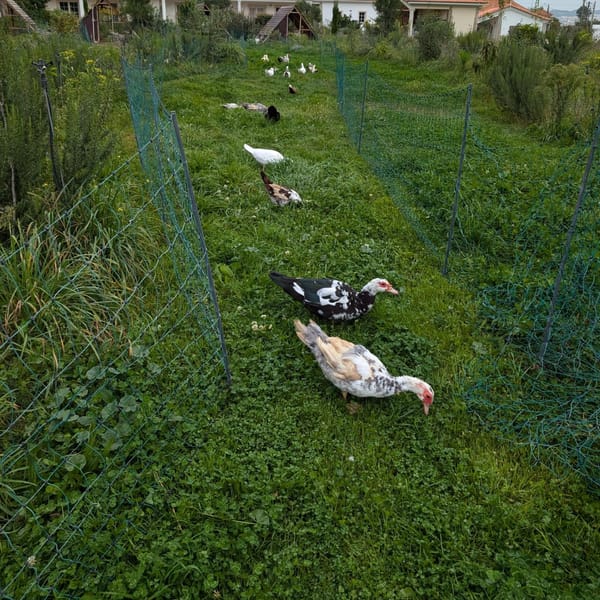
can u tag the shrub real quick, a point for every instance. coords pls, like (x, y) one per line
(63, 22)
(141, 13)
(565, 45)
(516, 78)
(81, 90)
(433, 35)
(472, 42)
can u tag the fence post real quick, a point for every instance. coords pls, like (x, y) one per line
(41, 67)
(198, 223)
(341, 73)
(458, 179)
(565, 255)
(364, 101)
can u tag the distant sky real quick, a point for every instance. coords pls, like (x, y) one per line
(561, 4)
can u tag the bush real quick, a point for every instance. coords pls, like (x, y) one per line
(63, 22)
(433, 35)
(565, 45)
(516, 79)
(82, 89)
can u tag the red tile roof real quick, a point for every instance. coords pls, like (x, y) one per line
(446, 2)
(493, 6)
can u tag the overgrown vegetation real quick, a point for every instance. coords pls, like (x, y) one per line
(83, 91)
(248, 492)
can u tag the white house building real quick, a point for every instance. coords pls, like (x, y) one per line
(499, 17)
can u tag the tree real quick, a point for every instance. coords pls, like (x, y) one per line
(336, 16)
(140, 11)
(34, 8)
(388, 12)
(311, 11)
(584, 14)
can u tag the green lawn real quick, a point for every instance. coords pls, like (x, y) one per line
(143, 483)
(280, 492)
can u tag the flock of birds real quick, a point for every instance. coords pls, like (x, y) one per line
(350, 367)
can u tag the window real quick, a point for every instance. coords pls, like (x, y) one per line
(70, 7)
(361, 17)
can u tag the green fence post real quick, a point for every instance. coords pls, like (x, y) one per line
(458, 179)
(565, 255)
(364, 101)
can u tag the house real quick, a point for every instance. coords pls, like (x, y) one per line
(498, 17)
(461, 13)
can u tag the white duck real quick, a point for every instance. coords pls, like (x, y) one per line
(265, 58)
(312, 68)
(287, 73)
(356, 371)
(270, 71)
(264, 156)
(302, 69)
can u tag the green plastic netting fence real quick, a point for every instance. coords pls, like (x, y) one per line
(110, 340)
(524, 237)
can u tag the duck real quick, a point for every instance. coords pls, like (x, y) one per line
(312, 68)
(284, 59)
(265, 58)
(272, 114)
(331, 298)
(287, 73)
(264, 156)
(230, 105)
(302, 69)
(254, 107)
(356, 371)
(292, 89)
(270, 71)
(279, 195)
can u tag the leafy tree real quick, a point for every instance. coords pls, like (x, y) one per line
(311, 11)
(34, 8)
(584, 14)
(141, 13)
(338, 20)
(336, 16)
(388, 12)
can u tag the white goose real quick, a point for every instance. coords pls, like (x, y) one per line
(302, 69)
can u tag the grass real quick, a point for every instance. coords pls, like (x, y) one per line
(270, 489)
(288, 495)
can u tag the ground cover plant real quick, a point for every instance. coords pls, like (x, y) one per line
(270, 489)
(295, 497)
